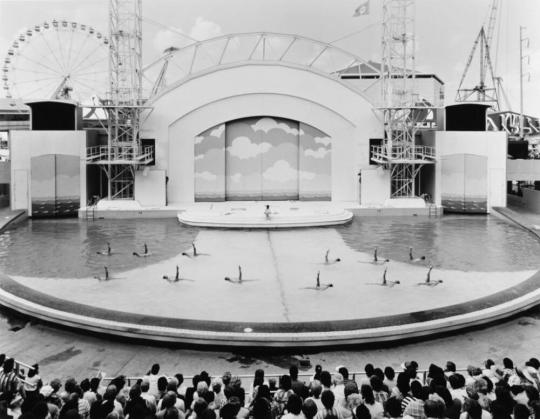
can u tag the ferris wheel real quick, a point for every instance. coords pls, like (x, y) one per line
(57, 60)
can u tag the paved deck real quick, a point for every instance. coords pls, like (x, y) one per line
(277, 303)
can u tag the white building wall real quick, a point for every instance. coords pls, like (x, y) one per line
(493, 145)
(327, 104)
(27, 144)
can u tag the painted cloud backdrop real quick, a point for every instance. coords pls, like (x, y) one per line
(262, 158)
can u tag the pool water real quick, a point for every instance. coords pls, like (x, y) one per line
(67, 248)
(461, 242)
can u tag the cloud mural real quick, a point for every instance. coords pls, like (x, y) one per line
(205, 176)
(322, 140)
(244, 148)
(261, 158)
(320, 153)
(267, 124)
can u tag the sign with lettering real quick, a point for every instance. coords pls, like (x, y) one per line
(510, 123)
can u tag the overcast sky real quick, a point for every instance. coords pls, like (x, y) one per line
(445, 29)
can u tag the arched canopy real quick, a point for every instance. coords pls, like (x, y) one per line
(178, 65)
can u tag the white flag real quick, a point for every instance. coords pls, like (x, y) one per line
(362, 9)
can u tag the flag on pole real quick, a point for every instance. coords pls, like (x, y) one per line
(362, 9)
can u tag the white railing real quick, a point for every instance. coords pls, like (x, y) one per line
(403, 153)
(119, 154)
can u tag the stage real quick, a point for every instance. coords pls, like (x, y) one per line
(277, 303)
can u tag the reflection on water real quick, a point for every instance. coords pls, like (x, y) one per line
(68, 247)
(464, 243)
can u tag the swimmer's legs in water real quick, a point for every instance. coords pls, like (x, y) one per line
(375, 259)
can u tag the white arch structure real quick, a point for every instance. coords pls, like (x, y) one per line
(179, 65)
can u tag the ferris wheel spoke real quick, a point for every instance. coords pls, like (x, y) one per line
(29, 94)
(60, 49)
(70, 49)
(89, 65)
(81, 49)
(40, 64)
(76, 66)
(50, 50)
(93, 72)
(36, 80)
(16, 70)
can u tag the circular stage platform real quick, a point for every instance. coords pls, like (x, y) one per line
(280, 215)
(277, 304)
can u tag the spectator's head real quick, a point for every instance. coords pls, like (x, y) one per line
(377, 372)
(327, 399)
(217, 386)
(85, 385)
(199, 406)
(226, 378)
(8, 364)
(362, 412)
(533, 362)
(326, 379)
(110, 392)
(70, 385)
(367, 394)
(119, 382)
(416, 389)
(473, 408)
(508, 363)
(206, 378)
(180, 378)
(376, 383)
(344, 372)
(309, 408)
(285, 382)
(202, 387)
(392, 407)
(145, 386)
(456, 381)
(450, 366)
(135, 392)
(259, 377)
(261, 409)
(403, 383)
(294, 404)
(389, 373)
(488, 363)
(40, 410)
(350, 388)
(56, 384)
(315, 389)
(172, 385)
(94, 384)
(171, 413)
(2, 359)
(155, 369)
(272, 383)
(263, 392)
(293, 372)
(33, 371)
(434, 409)
(521, 411)
(162, 384)
(369, 370)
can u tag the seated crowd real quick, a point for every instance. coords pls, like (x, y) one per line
(492, 392)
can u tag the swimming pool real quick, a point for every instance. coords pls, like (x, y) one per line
(67, 248)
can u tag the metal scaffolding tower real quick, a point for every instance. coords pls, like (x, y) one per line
(402, 109)
(123, 154)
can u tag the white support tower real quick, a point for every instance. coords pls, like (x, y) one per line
(402, 109)
(123, 153)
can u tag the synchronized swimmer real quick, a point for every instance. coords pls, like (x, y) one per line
(239, 279)
(376, 259)
(176, 277)
(322, 287)
(385, 282)
(195, 254)
(106, 278)
(413, 259)
(145, 254)
(328, 261)
(108, 252)
(428, 280)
